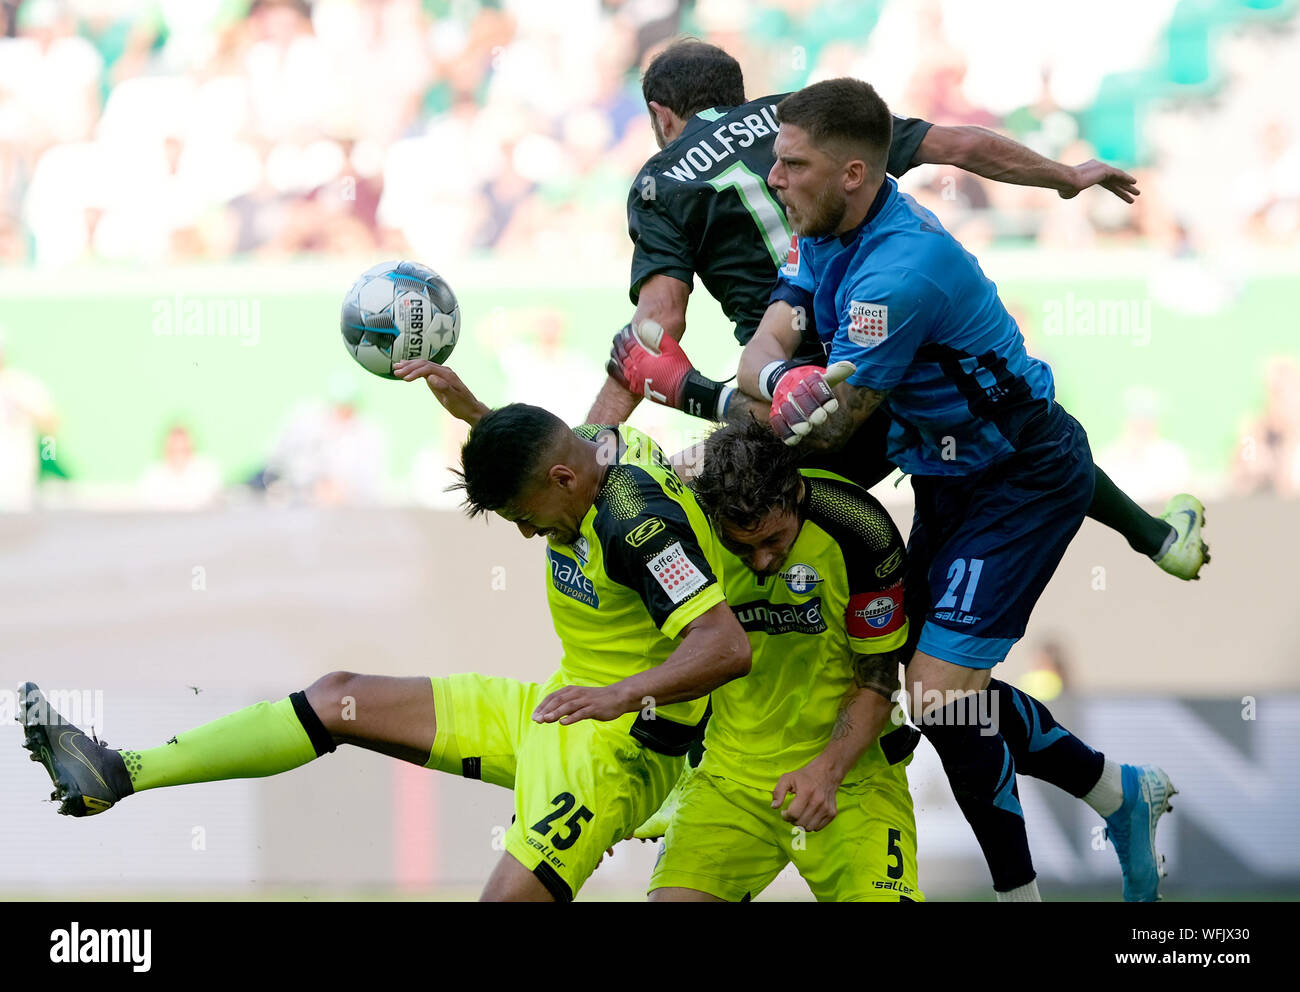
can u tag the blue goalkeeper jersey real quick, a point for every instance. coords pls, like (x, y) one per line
(901, 299)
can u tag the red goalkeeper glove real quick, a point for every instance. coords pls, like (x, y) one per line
(803, 399)
(648, 362)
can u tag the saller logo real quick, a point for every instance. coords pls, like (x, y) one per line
(643, 531)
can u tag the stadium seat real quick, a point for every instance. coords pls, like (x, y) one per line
(1111, 124)
(1188, 62)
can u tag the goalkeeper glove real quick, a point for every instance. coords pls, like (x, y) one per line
(649, 363)
(802, 397)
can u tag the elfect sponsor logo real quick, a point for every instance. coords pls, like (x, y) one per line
(676, 573)
(868, 323)
(567, 577)
(763, 617)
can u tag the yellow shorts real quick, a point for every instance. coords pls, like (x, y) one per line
(725, 839)
(579, 789)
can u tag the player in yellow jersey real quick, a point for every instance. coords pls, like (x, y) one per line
(804, 757)
(592, 751)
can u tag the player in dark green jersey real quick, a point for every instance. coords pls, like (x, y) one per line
(590, 753)
(805, 756)
(703, 206)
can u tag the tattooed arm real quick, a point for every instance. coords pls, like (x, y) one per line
(863, 714)
(864, 711)
(857, 403)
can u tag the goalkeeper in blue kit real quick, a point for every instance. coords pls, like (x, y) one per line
(704, 206)
(1002, 475)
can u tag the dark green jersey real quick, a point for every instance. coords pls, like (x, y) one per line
(702, 205)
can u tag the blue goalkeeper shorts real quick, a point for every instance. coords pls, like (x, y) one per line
(984, 546)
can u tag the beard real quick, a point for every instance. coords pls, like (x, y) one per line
(823, 217)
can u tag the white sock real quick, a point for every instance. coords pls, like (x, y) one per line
(1108, 794)
(1025, 893)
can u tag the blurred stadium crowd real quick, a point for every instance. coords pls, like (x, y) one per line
(200, 129)
(171, 131)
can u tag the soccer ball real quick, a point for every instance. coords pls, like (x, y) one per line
(398, 311)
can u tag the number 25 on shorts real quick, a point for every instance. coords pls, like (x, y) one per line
(565, 835)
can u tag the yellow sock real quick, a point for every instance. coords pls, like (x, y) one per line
(259, 740)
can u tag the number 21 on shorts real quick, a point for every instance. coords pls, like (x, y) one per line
(958, 571)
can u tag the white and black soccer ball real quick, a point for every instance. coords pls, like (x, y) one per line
(397, 311)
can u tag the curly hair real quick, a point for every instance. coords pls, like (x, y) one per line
(748, 472)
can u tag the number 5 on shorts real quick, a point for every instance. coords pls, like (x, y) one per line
(895, 870)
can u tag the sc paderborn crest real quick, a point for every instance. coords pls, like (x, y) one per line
(801, 578)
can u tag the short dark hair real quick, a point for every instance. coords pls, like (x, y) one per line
(846, 114)
(748, 472)
(504, 452)
(691, 75)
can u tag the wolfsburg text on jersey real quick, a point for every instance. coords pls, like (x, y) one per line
(717, 146)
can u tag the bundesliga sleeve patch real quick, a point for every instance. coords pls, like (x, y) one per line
(676, 573)
(792, 258)
(875, 614)
(868, 323)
